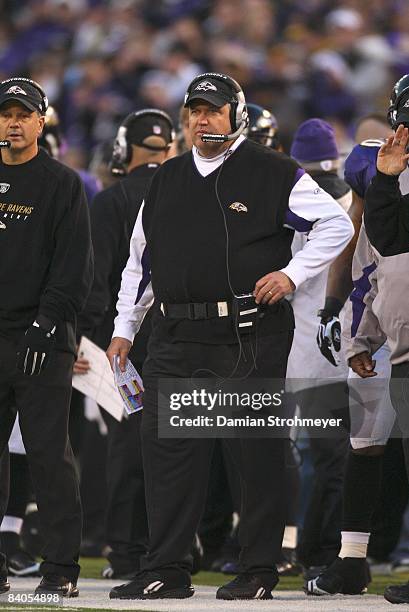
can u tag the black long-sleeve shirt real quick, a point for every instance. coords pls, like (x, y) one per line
(45, 247)
(386, 215)
(113, 213)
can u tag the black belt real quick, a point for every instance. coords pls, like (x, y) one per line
(196, 311)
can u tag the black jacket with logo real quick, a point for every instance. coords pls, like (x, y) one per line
(45, 247)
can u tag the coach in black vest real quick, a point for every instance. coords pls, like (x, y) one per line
(218, 222)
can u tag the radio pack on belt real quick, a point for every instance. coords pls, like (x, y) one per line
(245, 312)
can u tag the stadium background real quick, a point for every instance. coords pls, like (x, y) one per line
(98, 60)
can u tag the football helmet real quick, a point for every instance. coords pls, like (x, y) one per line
(262, 127)
(51, 139)
(398, 111)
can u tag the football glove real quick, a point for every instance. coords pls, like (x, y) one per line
(35, 347)
(329, 330)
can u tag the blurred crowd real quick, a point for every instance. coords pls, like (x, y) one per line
(100, 59)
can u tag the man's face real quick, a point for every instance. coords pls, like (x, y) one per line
(204, 118)
(20, 126)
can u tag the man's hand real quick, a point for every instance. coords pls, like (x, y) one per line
(120, 347)
(272, 287)
(392, 156)
(34, 349)
(329, 336)
(363, 365)
(81, 365)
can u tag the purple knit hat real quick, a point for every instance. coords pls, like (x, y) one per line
(314, 140)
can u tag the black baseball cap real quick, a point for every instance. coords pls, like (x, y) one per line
(214, 90)
(22, 91)
(144, 126)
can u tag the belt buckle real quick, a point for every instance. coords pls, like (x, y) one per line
(223, 309)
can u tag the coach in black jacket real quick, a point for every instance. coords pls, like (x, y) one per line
(141, 145)
(46, 272)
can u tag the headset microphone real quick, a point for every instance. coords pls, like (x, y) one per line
(224, 137)
(5, 144)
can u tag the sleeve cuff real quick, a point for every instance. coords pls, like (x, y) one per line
(123, 330)
(388, 179)
(355, 347)
(296, 274)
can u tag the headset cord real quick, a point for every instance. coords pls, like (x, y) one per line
(236, 327)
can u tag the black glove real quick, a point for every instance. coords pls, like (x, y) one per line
(329, 331)
(34, 349)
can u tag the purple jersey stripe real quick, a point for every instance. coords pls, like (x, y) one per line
(300, 172)
(146, 275)
(298, 223)
(361, 288)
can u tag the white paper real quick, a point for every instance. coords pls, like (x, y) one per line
(98, 383)
(129, 385)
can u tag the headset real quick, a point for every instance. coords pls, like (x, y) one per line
(122, 150)
(238, 107)
(400, 91)
(242, 304)
(51, 138)
(44, 99)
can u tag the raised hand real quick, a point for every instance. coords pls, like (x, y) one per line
(392, 156)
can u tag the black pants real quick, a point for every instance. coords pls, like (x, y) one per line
(93, 488)
(43, 405)
(320, 538)
(177, 470)
(4, 494)
(223, 498)
(126, 520)
(399, 390)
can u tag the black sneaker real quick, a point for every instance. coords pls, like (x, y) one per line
(349, 576)
(289, 566)
(4, 584)
(163, 584)
(197, 555)
(248, 586)
(53, 583)
(401, 566)
(230, 567)
(110, 573)
(313, 571)
(21, 563)
(397, 594)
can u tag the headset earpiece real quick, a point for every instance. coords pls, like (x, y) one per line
(122, 151)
